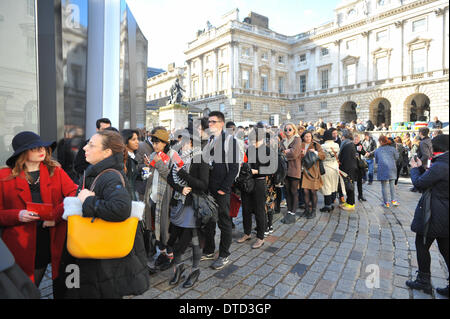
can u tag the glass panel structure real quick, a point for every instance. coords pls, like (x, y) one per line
(19, 105)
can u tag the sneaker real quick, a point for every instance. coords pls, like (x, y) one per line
(386, 205)
(395, 203)
(162, 259)
(244, 238)
(283, 203)
(348, 207)
(342, 199)
(259, 243)
(270, 229)
(220, 263)
(266, 233)
(207, 257)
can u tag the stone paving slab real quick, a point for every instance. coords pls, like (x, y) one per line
(329, 257)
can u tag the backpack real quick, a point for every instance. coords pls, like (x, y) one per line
(282, 169)
(244, 181)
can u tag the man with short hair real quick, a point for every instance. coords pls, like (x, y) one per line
(222, 151)
(80, 163)
(425, 150)
(437, 124)
(335, 134)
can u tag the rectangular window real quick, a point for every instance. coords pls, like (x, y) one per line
(382, 36)
(264, 56)
(302, 58)
(323, 105)
(351, 74)
(301, 108)
(281, 59)
(419, 25)
(324, 51)
(264, 82)
(265, 108)
(324, 79)
(302, 83)
(207, 84)
(222, 107)
(280, 85)
(207, 59)
(382, 68)
(223, 53)
(418, 61)
(247, 106)
(246, 79)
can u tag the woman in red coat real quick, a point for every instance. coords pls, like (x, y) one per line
(33, 177)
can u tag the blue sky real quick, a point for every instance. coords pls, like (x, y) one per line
(170, 24)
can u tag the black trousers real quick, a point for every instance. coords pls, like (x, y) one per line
(225, 225)
(329, 199)
(359, 183)
(255, 202)
(423, 252)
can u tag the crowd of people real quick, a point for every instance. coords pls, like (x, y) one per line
(210, 166)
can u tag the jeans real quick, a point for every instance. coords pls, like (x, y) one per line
(370, 170)
(384, 190)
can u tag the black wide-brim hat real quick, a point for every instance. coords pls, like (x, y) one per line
(26, 141)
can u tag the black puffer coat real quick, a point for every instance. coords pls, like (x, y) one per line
(347, 158)
(111, 278)
(437, 178)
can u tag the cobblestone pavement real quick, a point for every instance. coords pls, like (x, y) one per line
(325, 257)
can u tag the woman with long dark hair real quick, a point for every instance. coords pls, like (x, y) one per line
(191, 177)
(131, 141)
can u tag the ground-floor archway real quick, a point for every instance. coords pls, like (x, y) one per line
(348, 112)
(380, 112)
(417, 107)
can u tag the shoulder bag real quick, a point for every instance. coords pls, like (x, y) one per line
(95, 238)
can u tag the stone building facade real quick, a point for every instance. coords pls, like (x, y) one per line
(384, 60)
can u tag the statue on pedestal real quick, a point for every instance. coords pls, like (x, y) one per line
(176, 93)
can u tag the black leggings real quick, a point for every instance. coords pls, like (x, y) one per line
(292, 193)
(423, 252)
(310, 198)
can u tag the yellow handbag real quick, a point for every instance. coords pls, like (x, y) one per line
(95, 238)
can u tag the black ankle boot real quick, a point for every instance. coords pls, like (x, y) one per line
(192, 279)
(312, 214)
(422, 282)
(179, 270)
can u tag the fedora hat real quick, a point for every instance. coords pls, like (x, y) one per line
(162, 135)
(24, 141)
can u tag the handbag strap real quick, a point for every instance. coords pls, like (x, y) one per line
(103, 172)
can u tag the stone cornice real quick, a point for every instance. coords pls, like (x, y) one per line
(380, 16)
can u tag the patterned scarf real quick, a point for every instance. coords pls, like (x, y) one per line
(186, 156)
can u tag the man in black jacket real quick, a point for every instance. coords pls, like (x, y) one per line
(348, 164)
(222, 151)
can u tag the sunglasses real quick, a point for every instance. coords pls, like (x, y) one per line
(288, 130)
(155, 140)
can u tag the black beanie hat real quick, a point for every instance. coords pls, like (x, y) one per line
(440, 143)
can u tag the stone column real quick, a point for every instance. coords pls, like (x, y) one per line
(201, 78)
(216, 71)
(236, 71)
(255, 82)
(441, 12)
(189, 80)
(271, 82)
(365, 36)
(337, 43)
